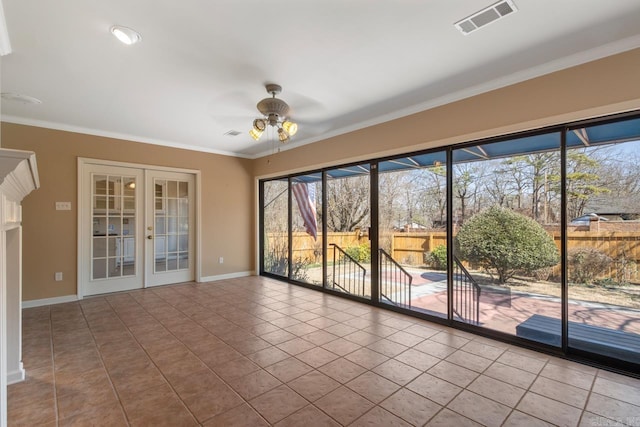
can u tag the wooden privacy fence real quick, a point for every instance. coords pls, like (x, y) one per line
(409, 248)
(623, 247)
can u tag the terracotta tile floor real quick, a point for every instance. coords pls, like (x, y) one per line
(256, 352)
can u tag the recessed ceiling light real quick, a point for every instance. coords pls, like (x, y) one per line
(126, 35)
(17, 97)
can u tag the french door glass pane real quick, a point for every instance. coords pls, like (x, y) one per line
(113, 213)
(171, 225)
(412, 227)
(603, 232)
(506, 217)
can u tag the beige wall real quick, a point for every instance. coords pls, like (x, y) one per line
(50, 236)
(606, 86)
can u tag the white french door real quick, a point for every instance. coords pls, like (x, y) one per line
(169, 228)
(136, 228)
(110, 253)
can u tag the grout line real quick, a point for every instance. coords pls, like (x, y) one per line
(586, 402)
(53, 368)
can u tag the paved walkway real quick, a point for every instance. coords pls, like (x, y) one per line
(503, 309)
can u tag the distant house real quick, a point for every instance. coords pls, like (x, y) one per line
(607, 221)
(410, 227)
(586, 219)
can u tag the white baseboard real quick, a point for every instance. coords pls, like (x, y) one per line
(71, 298)
(227, 276)
(16, 376)
(49, 301)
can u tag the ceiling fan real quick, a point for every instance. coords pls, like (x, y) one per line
(275, 113)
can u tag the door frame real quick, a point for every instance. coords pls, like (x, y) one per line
(82, 237)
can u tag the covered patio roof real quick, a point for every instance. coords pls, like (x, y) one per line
(607, 133)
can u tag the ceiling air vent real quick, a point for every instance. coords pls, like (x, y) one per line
(486, 16)
(232, 133)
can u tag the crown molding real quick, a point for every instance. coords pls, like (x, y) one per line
(115, 135)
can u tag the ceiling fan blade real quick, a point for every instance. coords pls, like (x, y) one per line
(232, 104)
(305, 108)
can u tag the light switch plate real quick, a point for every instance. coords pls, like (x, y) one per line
(63, 206)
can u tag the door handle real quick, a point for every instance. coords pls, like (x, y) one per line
(150, 237)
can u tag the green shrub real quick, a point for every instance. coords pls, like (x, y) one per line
(439, 257)
(586, 263)
(361, 253)
(505, 241)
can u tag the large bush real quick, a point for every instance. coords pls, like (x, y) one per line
(505, 241)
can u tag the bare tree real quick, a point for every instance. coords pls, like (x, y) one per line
(464, 186)
(348, 203)
(541, 165)
(618, 172)
(435, 193)
(495, 187)
(515, 171)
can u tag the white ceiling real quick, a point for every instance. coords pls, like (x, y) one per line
(343, 64)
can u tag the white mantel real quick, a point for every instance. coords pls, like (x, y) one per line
(18, 177)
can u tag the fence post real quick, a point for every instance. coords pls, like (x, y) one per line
(393, 245)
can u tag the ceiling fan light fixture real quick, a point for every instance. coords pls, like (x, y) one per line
(259, 125)
(126, 35)
(255, 133)
(274, 113)
(283, 136)
(290, 127)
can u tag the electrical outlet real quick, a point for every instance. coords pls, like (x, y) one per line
(63, 206)
(221, 260)
(58, 276)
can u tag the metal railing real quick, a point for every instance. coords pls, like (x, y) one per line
(395, 282)
(466, 294)
(348, 274)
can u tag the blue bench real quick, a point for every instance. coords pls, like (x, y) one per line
(610, 342)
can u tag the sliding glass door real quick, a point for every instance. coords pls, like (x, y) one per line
(275, 228)
(348, 213)
(412, 232)
(506, 207)
(534, 236)
(306, 229)
(603, 239)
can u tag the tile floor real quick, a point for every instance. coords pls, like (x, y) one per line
(256, 352)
